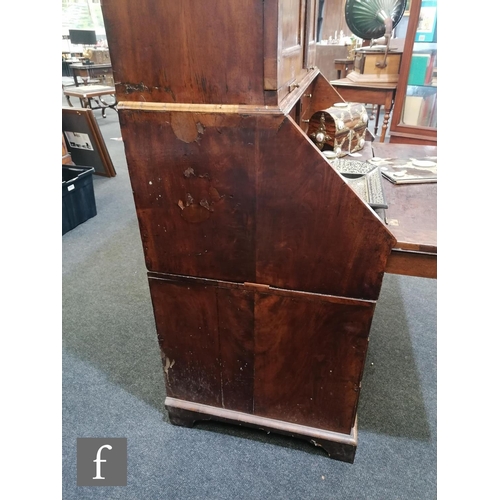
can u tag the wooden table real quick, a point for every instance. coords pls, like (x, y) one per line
(372, 93)
(91, 96)
(412, 213)
(102, 72)
(411, 216)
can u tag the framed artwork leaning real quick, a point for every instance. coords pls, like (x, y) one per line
(84, 140)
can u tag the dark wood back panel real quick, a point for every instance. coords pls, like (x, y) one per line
(188, 333)
(195, 200)
(235, 308)
(249, 199)
(309, 357)
(187, 51)
(283, 355)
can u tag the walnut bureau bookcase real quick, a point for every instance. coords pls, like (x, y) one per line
(264, 266)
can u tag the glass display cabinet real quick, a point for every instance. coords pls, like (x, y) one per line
(414, 117)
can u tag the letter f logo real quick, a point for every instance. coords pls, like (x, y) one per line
(98, 460)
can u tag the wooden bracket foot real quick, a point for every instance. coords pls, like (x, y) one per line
(338, 446)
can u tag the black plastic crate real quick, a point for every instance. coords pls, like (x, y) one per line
(78, 200)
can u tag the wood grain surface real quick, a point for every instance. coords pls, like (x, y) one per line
(249, 198)
(293, 357)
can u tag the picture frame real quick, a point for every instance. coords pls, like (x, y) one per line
(84, 141)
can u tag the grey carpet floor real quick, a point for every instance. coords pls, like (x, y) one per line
(112, 384)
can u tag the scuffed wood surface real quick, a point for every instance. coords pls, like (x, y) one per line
(289, 357)
(249, 199)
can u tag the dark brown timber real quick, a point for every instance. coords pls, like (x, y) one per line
(264, 265)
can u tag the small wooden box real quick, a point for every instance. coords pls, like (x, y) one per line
(366, 69)
(99, 56)
(341, 128)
